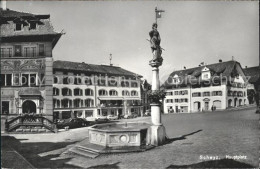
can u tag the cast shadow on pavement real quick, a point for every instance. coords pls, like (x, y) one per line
(30, 152)
(114, 166)
(222, 163)
(183, 137)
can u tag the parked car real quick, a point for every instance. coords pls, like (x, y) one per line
(127, 116)
(101, 118)
(111, 117)
(72, 123)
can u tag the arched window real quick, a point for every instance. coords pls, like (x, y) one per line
(78, 92)
(78, 103)
(66, 92)
(124, 83)
(66, 103)
(102, 92)
(217, 104)
(113, 93)
(134, 93)
(134, 84)
(56, 91)
(89, 103)
(88, 92)
(56, 103)
(55, 80)
(230, 103)
(125, 93)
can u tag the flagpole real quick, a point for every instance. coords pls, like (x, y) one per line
(156, 15)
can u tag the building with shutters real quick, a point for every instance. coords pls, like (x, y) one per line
(205, 88)
(93, 91)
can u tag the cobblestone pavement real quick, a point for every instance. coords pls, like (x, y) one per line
(193, 138)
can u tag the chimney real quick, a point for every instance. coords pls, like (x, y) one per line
(3, 5)
(246, 67)
(184, 67)
(220, 60)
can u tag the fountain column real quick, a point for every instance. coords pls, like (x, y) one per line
(157, 129)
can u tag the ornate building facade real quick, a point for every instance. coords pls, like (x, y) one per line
(206, 88)
(27, 41)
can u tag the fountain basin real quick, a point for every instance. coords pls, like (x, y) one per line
(119, 134)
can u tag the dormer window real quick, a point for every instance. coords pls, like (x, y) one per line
(33, 25)
(176, 79)
(18, 26)
(205, 73)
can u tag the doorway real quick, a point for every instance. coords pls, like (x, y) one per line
(206, 106)
(29, 107)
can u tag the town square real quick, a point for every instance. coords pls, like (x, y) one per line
(127, 84)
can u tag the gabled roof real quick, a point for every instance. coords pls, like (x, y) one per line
(91, 68)
(9, 14)
(216, 69)
(253, 73)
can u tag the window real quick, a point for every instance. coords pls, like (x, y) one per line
(168, 93)
(30, 51)
(113, 93)
(134, 84)
(102, 93)
(197, 94)
(16, 79)
(18, 50)
(29, 79)
(101, 81)
(56, 103)
(217, 93)
(55, 80)
(78, 103)
(5, 107)
(125, 84)
(18, 27)
(78, 92)
(2, 80)
(33, 80)
(66, 92)
(89, 113)
(183, 92)
(33, 25)
(176, 93)
(6, 52)
(41, 50)
(176, 100)
(89, 102)
(66, 103)
(66, 115)
(112, 81)
(206, 93)
(88, 92)
(77, 80)
(56, 91)
(125, 93)
(134, 93)
(169, 100)
(8, 79)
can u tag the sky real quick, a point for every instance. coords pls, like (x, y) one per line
(191, 32)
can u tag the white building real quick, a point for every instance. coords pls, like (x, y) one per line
(202, 88)
(90, 91)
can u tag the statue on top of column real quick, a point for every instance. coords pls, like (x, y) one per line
(155, 41)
